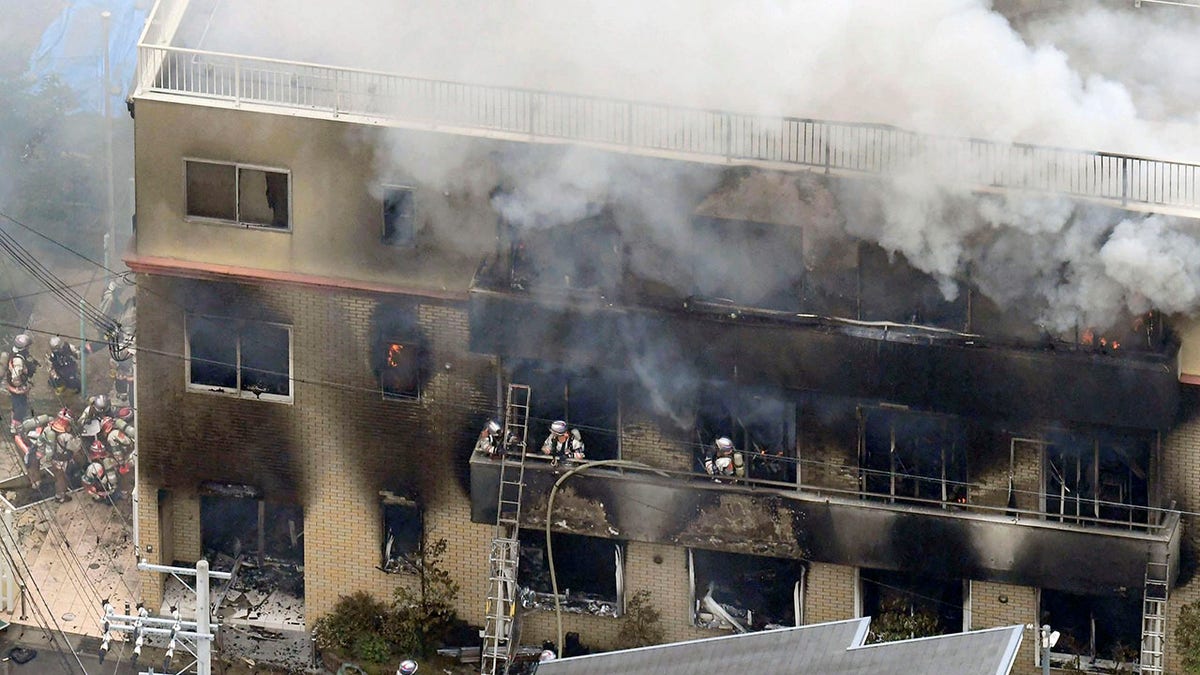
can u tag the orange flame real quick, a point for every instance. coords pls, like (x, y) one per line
(393, 357)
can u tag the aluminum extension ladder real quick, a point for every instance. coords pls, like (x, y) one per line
(501, 634)
(1154, 617)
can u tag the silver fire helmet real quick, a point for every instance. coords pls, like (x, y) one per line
(493, 426)
(101, 403)
(55, 342)
(22, 342)
(559, 427)
(724, 443)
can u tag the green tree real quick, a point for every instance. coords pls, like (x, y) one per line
(1187, 637)
(900, 620)
(422, 614)
(641, 624)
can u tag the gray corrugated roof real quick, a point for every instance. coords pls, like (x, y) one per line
(830, 649)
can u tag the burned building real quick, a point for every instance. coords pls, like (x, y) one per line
(325, 326)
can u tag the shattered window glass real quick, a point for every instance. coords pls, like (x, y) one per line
(263, 197)
(744, 592)
(589, 571)
(211, 190)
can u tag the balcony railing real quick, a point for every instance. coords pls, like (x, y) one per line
(662, 130)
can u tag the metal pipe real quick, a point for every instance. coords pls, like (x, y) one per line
(188, 571)
(204, 647)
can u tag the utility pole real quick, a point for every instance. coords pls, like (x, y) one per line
(1049, 639)
(200, 631)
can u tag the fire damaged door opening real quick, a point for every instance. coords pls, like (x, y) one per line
(745, 592)
(264, 541)
(589, 570)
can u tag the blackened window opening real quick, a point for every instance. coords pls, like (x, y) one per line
(586, 400)
(761, 424)
(399, 369)
(587, 570)
(909, 455)
(1093, 627)
(584, 255)
(252, 358)
(755, 591)
(399, 210)
(904, 606)
(402, 533)
(1098, 474)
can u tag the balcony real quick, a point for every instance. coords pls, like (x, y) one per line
(848, 528)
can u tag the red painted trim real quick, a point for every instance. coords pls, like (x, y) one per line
(175, 267)
(1189, 379)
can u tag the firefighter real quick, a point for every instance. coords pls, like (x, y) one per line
(724, 460)
(489, 441)
(561, 444)
(19, 367)
(407, 667)
(58, 445)
(100, 478)
(97, 408)
(64, 367)
(119, 446)
(122, 374)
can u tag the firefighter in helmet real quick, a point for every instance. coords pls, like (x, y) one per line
(489, 442)
(563, 444)
(61, 447)
(723, 460)
(19, 367)
(64, 367)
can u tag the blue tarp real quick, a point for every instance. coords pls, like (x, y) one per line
(72, 49)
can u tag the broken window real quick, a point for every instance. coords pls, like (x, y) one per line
(400, 370)
(402, 532)
(1098, 633)
(252, 359)
(913, 455)
(744, 592)
(248, 195)
(905, 605)
(585, 254)
(586, 400)
(398, 216)
(760, 424)
(894, 290)
(1097, 474)
(589, 570)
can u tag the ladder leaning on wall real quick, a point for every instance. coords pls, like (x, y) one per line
(500, 634)
(1154, 617)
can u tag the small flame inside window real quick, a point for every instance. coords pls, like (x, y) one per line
(394, 354)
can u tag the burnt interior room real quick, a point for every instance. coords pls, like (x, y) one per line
(900, 603)
(588, 400)
(906, 454)
(588, 569)
(752, 592)
(1097, 473)
(761, 424)
(260, 532)
(403, 530)
(748, 263)
(1094, 627)
(584, 255)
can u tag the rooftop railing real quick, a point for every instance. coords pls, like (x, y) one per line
(663, 130)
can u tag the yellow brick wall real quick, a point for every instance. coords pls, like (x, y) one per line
(995, 604)
(830, 593)
(1181, 483)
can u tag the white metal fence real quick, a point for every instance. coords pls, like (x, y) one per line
(703, 135)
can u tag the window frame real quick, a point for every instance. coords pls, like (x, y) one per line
(799, 591)
(237, 195)
(421, 371)
(411, 240)
(237, 392)
(405, 564)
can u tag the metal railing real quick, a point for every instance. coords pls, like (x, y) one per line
(656, 129)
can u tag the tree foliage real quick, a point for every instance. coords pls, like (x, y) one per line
(899, 620)
(641, 624)
(1187, 637)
